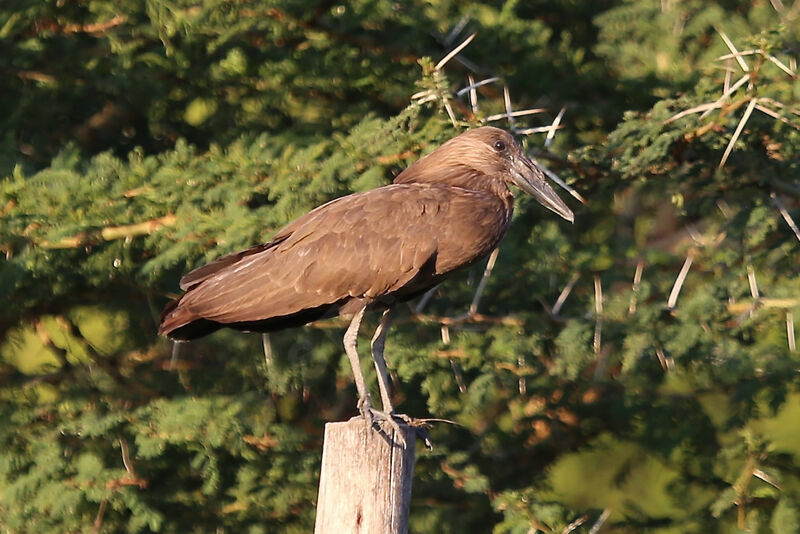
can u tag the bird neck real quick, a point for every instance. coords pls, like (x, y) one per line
(461, 176)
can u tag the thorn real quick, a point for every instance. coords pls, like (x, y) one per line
(738, 54)
(473, 94)
(487, 272)
(509, 111)
(445, 330)
(450, 113)
(600, 520)
(598, 313)
(457, 29)
(724, 208)
(766, 111)
(738, 131)
(575, 524)
(553, 176)
(698, 238)
(676, 287)
(727, 83)
(425, 299)
(777, 5)
(661, 359)
(520, 113)
(758, 473)
(710, 106)
(780, 65)
(537, 129)
(176, 347)
(742, 63)
(667, 363)
(562, 297)
(553, 127)
(126, 458)
(424, 96)
(454, 52)
(637, 278)
(751, 279)
(726, 93)
(266, 345)
(472, 86)
(785, 214)
(696, 109)
(462, 387)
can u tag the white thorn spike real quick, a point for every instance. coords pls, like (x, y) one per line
(742, 63)
(509, 110)
(676, 287)
(738, 131)
(454, 52)
(553, 127)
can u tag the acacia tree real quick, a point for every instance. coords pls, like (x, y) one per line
(637, 370)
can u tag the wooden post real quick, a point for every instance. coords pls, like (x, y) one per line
(365, 481)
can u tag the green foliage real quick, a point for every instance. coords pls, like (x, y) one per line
(141, 139)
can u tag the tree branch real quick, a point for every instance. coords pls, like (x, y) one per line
(111, 233)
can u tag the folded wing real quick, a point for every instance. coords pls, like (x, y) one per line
(367, 246)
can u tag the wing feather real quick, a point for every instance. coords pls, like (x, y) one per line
(364, 245)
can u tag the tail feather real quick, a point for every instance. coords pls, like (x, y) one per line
(177, 324)
(180, 324)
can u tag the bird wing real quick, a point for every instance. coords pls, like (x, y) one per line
(360, 246)
(200, 274)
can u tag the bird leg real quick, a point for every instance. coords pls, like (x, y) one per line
(378, 344)
(369, 413)
(388, 415)
(350, 347)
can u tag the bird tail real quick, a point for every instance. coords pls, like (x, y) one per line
(178, 324)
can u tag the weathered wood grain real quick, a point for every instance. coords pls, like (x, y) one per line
(365, 481)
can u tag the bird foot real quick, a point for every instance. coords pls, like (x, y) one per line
(420, 427)
(366, 410)
(391, 420)
(374, 418)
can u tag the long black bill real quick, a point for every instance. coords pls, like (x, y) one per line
(531, 179)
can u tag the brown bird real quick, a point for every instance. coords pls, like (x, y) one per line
(368, 250)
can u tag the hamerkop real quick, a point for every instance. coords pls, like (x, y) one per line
(368, 250)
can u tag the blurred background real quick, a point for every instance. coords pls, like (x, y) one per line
(634, 372)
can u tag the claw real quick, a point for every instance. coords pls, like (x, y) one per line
(390, 419)
(373, 418)
(420, 427)
(366, 410)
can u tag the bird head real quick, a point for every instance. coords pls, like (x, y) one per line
(497, 153)
(482, 153)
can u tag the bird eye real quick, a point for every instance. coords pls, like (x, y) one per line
(499, 146)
